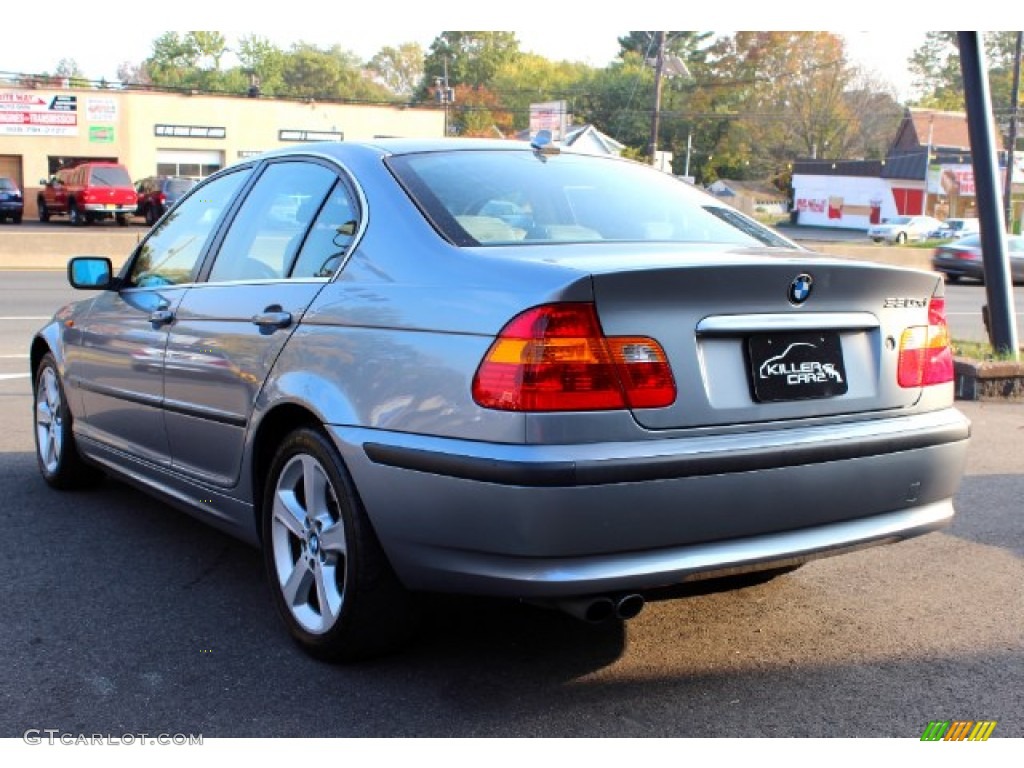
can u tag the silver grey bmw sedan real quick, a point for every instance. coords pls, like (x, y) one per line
(497, 368)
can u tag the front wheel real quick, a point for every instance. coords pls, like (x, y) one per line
(151, 216)
(75, 217)
(331, 581)
(56, 452)
(901, 238)
(44, 212)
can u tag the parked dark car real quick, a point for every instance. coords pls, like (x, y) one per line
(12, 204)
(88, 192)
(492, 368)
(157, 194)
(962, 259)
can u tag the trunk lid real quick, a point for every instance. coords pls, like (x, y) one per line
(756, 336)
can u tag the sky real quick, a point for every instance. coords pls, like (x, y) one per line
(877, 40)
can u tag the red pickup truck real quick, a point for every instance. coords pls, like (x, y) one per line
(89, 192)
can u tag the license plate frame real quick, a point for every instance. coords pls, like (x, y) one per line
(796, 366)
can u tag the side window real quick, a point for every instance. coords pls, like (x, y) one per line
(328, 241)
(268, 230)
(171, 254)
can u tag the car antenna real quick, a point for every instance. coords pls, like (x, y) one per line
(543, 145)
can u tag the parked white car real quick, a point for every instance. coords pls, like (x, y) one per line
(954, 229)
(904, 228)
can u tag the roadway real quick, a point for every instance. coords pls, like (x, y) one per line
(123, 615)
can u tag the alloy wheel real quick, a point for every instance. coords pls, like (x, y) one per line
(309, 544)
(49, 421)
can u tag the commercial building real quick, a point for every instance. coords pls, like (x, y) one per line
(927, 170)
(175, 134)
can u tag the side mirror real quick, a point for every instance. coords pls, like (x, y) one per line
(91, 273)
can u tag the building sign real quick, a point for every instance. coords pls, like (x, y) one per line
(549, 116)
(295, 135)
(101, 110)
(101, 134)
(813, 205)
(32, 113)
(190, 131)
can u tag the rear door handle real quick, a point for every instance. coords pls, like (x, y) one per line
(272, 318)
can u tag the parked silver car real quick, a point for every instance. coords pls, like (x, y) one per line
(902, 229)
(494, 368)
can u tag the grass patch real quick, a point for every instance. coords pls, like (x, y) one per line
(979, 350)
(928, 243)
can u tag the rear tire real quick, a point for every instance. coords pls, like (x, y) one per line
(17, 218)
(56, 452)
(122, 219)
(331, 581)
(901, 238)
(75, 217)
(150, 215)
(44, 212)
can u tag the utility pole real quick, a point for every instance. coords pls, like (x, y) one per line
(1010, 150)
(689, 148)
(445, 95)
(927, 163)
(659, 68)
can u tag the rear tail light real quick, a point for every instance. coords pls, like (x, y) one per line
(925, 354)
(556, 358)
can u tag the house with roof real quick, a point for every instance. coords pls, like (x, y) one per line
(927, 170)
(583, 138)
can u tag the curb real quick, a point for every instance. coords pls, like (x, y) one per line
(988, 379)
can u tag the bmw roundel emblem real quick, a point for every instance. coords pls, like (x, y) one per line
(800, 288)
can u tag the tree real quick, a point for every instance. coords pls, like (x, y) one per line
(688, 46)
(939, 80)
(330, 73)
(791, 92)
(399, 69)
(68, 69)
(935, 65)
(478, 112)
(530, 78)
(468, 58)
(263, 60)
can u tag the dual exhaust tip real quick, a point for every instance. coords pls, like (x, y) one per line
(597, 610)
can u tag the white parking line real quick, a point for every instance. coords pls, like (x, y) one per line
(14, 357)
(5, 376)
(27, 317)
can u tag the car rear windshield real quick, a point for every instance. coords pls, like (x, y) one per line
(496, 197)
(109, 176)
(178, 186)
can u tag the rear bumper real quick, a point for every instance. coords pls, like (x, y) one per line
(102, 208)
(558, 521)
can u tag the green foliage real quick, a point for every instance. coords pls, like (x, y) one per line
(939, 80)
(468, 58)
(399, 69)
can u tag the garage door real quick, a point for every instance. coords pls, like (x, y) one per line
(10, 166)
(195, 164)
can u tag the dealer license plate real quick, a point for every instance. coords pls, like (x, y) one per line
(796, 366)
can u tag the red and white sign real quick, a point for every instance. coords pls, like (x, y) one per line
(31, 113)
